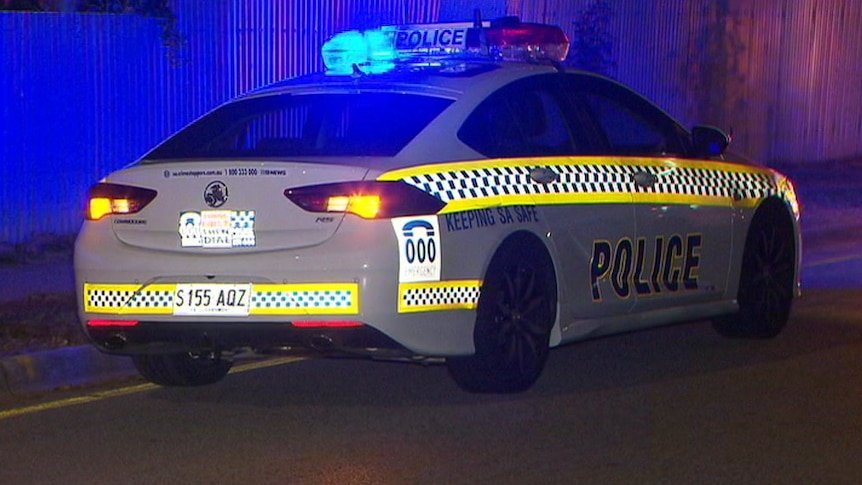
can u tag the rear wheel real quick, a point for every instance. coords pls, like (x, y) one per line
(188, 369)
(767, 279)
(516, 312)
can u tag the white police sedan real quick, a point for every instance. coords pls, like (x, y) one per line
(444, 191)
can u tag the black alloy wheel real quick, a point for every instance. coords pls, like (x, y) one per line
(767, 281)
(516, 311)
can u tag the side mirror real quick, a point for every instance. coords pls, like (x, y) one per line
(709, 141)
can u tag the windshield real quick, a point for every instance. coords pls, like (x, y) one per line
(366, 124)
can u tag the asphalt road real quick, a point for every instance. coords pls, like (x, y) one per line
(670, 405)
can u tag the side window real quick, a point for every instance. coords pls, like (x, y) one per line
(520, 120)
(626, 132)
(630, 125)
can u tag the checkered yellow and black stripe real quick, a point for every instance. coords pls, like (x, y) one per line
(266, 299)
(438, 295)
(475, 184)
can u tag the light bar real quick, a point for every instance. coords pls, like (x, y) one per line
(433, 39)
(381, 50)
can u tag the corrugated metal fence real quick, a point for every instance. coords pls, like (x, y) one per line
(783, 74)
(70, 107)
(84, 94)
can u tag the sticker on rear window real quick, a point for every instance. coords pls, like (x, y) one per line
(217, 229)
(418, 247)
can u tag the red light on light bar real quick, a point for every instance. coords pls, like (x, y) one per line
(526, 41)
(327, 324)
(112, 323)
(526, 34)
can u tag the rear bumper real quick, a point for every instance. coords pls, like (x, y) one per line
(274, 337)
(119, 281)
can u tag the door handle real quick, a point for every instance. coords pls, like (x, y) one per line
(644, 179)
(544, 175)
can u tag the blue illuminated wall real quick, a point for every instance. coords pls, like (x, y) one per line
(82, 95)
(65, 108)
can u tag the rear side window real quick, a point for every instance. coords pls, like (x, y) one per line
(286, 125)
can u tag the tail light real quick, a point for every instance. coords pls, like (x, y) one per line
(327, 324)
(112, 323)
(107, 199)
(369, 200)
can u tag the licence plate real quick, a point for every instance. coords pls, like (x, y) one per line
(214, 299)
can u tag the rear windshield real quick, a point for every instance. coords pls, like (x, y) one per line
(302, 125)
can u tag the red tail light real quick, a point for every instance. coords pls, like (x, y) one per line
(370, 200)
(112, 323)
(106, 199)
(328, 324)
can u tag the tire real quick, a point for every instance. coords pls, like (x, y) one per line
(516, 311)
(767, 280)
(189, 369)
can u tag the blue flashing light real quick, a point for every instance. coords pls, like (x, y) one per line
(343, 51)
(381, 52)
(371, 52)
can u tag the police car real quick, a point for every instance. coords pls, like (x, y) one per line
(445, 192)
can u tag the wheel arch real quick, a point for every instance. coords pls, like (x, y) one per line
(542, 248)
(782, 212)
(767, 278)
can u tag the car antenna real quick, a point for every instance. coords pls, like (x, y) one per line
(477, 24)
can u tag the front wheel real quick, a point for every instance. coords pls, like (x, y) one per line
(517, 309)
(188, 369)
(767, 280)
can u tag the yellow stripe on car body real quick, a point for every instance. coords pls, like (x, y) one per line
(266, 299)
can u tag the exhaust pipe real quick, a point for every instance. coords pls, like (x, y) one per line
(115, 342)
(321, 343)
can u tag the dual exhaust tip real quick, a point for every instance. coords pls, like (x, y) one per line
(319, 342)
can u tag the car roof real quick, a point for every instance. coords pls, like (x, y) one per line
(448, 81)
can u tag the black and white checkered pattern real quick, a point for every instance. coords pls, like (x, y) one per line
(593, 179)
(119, 298)
(439, 296)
